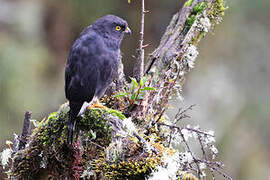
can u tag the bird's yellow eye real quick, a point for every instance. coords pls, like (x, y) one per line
(117, 28)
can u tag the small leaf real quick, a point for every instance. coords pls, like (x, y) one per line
(148, 89)
(134, 81)
(143, 80)
(133, 97)
(142, 96)
(121, 94)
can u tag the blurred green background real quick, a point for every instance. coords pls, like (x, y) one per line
(230, 84)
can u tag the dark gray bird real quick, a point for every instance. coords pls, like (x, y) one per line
(92, 64)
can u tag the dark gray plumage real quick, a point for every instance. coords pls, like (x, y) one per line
(92, 64)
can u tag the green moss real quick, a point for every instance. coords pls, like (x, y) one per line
(188, 3)
(217, 12)
(53, 116)
(190, 21)
(219, 8)
(116, 113)
(199, 8)
(220, 5)
(134, 169)
(99, 127)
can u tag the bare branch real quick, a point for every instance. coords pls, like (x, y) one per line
(138, 69)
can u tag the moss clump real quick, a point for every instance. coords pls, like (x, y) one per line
(133, 163)
(97, 127)
(199, 8)
(220, 5)
(133, 168)
(190, 21)
(46, 141)
(217, 11)
(49, 140)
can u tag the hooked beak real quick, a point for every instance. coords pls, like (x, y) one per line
(127, 31)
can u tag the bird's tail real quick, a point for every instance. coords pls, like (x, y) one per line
(73, 113)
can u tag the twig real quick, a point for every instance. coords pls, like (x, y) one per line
(101, 147)
(222, 173)
(181, 114)
(191, 153)
(205, 155)
(149, 65)
(138, 69)
(180, 128)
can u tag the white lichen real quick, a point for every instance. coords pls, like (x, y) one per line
(185, 157)
(186, 133)
(202, 166)
(169, 169)
(176, 139)
(42, 162)
(204, 24)
(129, 125)
(190, 55)
(213, 149)
(5, 156)
(209, 139)
(114, 151)
(87, 173)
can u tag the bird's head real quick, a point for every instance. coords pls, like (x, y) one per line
(112, 27)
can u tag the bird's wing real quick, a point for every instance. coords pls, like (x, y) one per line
(82, 73)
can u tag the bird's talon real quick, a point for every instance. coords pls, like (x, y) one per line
(96, 105)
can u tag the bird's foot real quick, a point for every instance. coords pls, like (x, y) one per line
(83, 109)
(96, 105)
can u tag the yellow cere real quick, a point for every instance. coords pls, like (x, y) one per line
(118, 28)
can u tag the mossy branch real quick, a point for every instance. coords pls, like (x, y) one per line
(125, 142)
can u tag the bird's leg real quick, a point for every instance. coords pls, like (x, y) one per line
(71, 127)
(96, 104)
